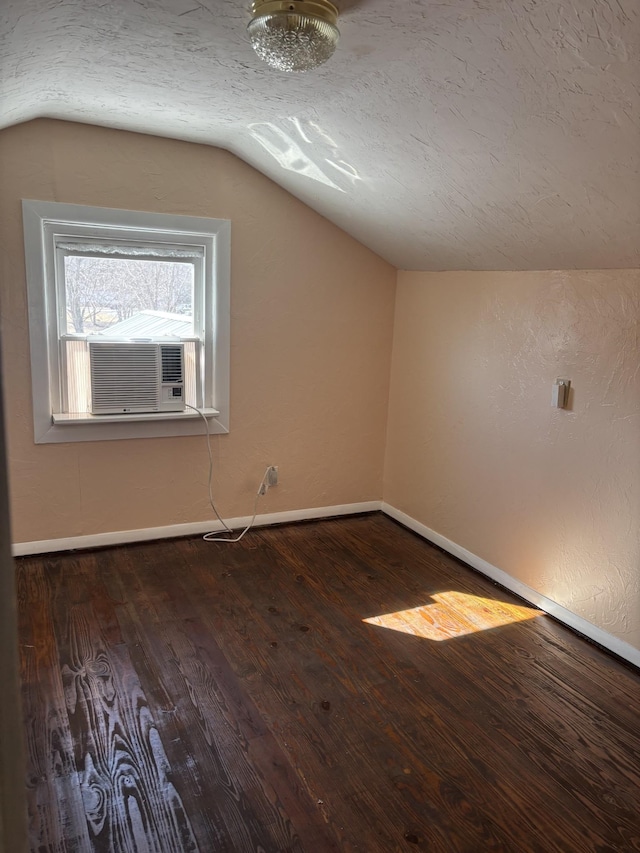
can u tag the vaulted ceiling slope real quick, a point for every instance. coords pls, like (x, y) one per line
(443, 134)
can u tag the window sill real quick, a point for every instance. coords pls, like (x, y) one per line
(85, 427)
(75, 419)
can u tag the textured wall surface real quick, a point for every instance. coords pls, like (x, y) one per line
(13, 829)
(311, 328)
(443, 134)
(477, 453)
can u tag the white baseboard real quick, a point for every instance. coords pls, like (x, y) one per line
(121, 537)
(602, 638)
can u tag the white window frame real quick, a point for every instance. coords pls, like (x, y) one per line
(45, 224)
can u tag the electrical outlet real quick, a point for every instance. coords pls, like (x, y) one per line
(272, 475)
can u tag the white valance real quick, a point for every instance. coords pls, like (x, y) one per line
(132, 250)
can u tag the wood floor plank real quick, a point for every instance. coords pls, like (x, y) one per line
(212, 723)
(56, 815)
(184, 695)
(129, 798)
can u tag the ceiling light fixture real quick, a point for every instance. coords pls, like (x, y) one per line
(294, 35)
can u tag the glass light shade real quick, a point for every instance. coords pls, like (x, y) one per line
(293, 41)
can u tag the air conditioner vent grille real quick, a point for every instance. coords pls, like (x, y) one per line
(172, 361)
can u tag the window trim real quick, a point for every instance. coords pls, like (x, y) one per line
(44, 222)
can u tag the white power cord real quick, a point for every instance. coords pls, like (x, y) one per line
(214, 535)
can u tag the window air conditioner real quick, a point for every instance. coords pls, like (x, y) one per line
(132, 377)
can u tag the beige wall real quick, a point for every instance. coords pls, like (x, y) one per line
(476, 453)
(13, 823)
(312, 318)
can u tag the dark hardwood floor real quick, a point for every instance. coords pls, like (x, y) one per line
(188, 696)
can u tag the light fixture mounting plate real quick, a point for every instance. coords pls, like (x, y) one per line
(319, 8)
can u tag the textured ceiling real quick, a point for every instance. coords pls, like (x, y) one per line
(450, 134)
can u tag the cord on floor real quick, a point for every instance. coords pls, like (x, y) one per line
(215, 535)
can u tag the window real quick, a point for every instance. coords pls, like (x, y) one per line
(97, 274)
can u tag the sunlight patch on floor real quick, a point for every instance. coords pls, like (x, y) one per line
(453, 614)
